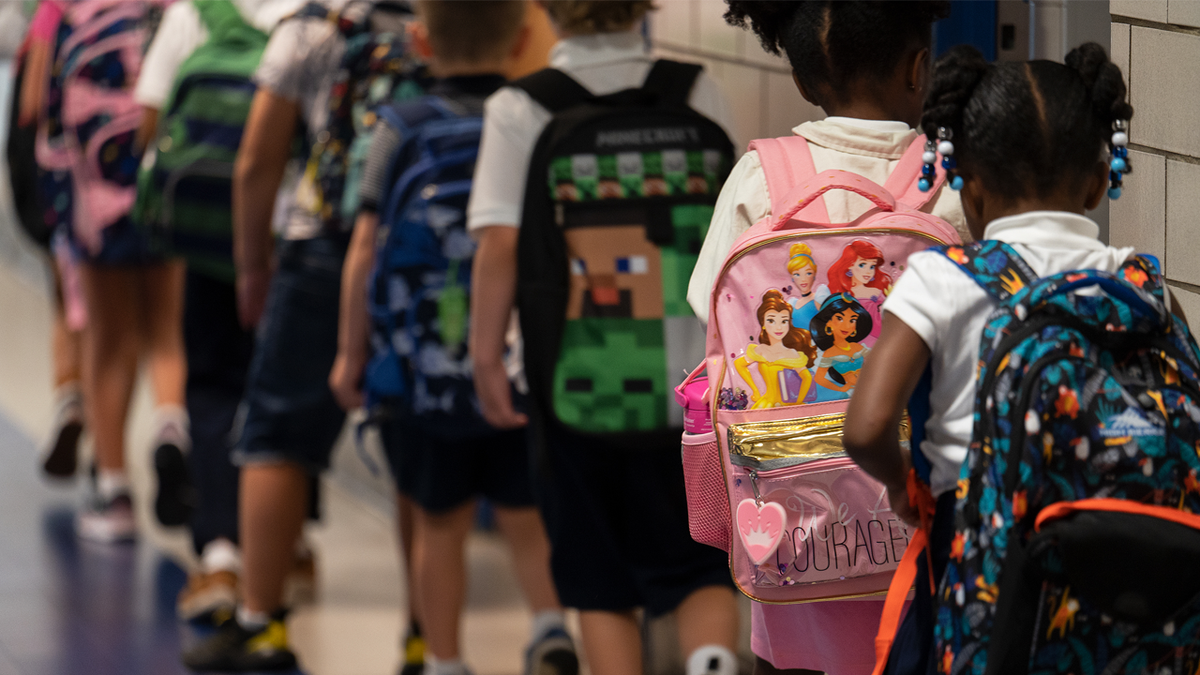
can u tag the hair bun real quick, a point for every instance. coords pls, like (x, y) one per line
(955, 76)
(769, 19)
(1103, 79)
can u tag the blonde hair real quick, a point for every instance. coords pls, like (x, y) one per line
(472, 31)
(799, 257)
(588, 17)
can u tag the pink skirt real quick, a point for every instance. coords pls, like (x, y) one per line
(835, 637)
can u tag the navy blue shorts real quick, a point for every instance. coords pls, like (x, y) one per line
(290, 414)
(441, 474)
(618, 527)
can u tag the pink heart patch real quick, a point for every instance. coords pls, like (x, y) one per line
(761, 528)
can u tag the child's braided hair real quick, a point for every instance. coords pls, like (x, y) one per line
(1024, 128)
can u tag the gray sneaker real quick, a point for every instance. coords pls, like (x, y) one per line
(552, 654)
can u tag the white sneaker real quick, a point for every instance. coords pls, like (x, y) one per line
(107, 522)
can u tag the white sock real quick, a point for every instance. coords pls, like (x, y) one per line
(436, 666)
(173, 426)
(221, 555)
(546, 621)
(111, 482)
(712, 660)
(253, 621)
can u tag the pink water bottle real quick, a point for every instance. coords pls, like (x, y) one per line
(692, 394)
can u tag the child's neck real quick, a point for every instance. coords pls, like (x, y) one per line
(867, 110)
(447, 70)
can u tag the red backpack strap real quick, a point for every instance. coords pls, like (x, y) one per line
(787, 162)
(903, 180)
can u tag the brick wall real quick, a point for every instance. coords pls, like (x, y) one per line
(1157, 45)
(759, 86)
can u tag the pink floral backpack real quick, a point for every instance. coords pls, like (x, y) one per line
(794, 310)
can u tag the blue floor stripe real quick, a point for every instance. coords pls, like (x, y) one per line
(71, 607)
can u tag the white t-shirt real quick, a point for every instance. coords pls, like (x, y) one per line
(602, 63)
(181, 31)
(949, 311)
(869, 148)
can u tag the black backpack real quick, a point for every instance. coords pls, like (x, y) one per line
(620, 193)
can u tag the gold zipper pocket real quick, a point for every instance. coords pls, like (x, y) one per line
(783, 443)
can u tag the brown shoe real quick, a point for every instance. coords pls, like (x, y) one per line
(208, 596)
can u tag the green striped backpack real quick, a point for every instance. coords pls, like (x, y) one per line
(184, 200)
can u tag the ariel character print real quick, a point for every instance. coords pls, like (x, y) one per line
(839, 330)
(782, 350)
(858, 273)
(803, 269)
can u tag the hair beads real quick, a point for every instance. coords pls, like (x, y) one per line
(1119, 164)
(946, 149)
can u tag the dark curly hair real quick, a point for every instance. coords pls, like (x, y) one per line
(833, 42)
(1025, 128)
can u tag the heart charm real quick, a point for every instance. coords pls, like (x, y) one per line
(761, 528)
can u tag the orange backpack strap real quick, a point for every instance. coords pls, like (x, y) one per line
(906, 574)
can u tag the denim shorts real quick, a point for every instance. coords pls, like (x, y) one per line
(289, 413)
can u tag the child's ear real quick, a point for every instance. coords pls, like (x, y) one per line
(1097, 186)
(521, 43)
(919, 72)
(419, 33)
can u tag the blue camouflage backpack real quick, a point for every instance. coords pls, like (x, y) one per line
(419, 289)
(1077, 538)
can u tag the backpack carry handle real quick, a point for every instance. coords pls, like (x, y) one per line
(836, 180)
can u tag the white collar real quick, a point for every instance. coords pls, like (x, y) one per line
(1049, 229)
(890, 126)
(582, 51)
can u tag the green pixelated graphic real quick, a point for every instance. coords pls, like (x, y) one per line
(609, 354)
(678, 260)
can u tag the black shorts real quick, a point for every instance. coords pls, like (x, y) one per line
(440, 474)
(289, 412)
(617, 521)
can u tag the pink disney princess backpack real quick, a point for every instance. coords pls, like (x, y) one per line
(794, 311)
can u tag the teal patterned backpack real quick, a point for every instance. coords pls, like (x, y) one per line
(1077, 536)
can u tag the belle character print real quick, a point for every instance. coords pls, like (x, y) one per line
(781, 356)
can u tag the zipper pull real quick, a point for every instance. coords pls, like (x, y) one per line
(560, 214)
(753, 475)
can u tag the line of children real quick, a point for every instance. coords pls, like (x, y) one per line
(1027, 141)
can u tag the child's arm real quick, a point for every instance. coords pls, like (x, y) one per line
(871, 435)
(353, 321)
(493, 295)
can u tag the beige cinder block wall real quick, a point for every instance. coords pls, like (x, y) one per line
(1157, 45)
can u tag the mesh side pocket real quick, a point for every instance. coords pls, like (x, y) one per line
(708, 503)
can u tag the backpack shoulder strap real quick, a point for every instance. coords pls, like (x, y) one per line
(1144, 271)
(672, 81)
(554, 90)
(786, 163)
(994, 265)
(902, 182)
(218, 15)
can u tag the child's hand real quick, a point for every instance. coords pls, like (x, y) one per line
(345, 380)
(901, 506)
(495, 397)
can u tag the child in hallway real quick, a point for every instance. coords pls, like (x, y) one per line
(1029, 139)
(51, 203)
(605, 562)
(468, 46)
(866, 65)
